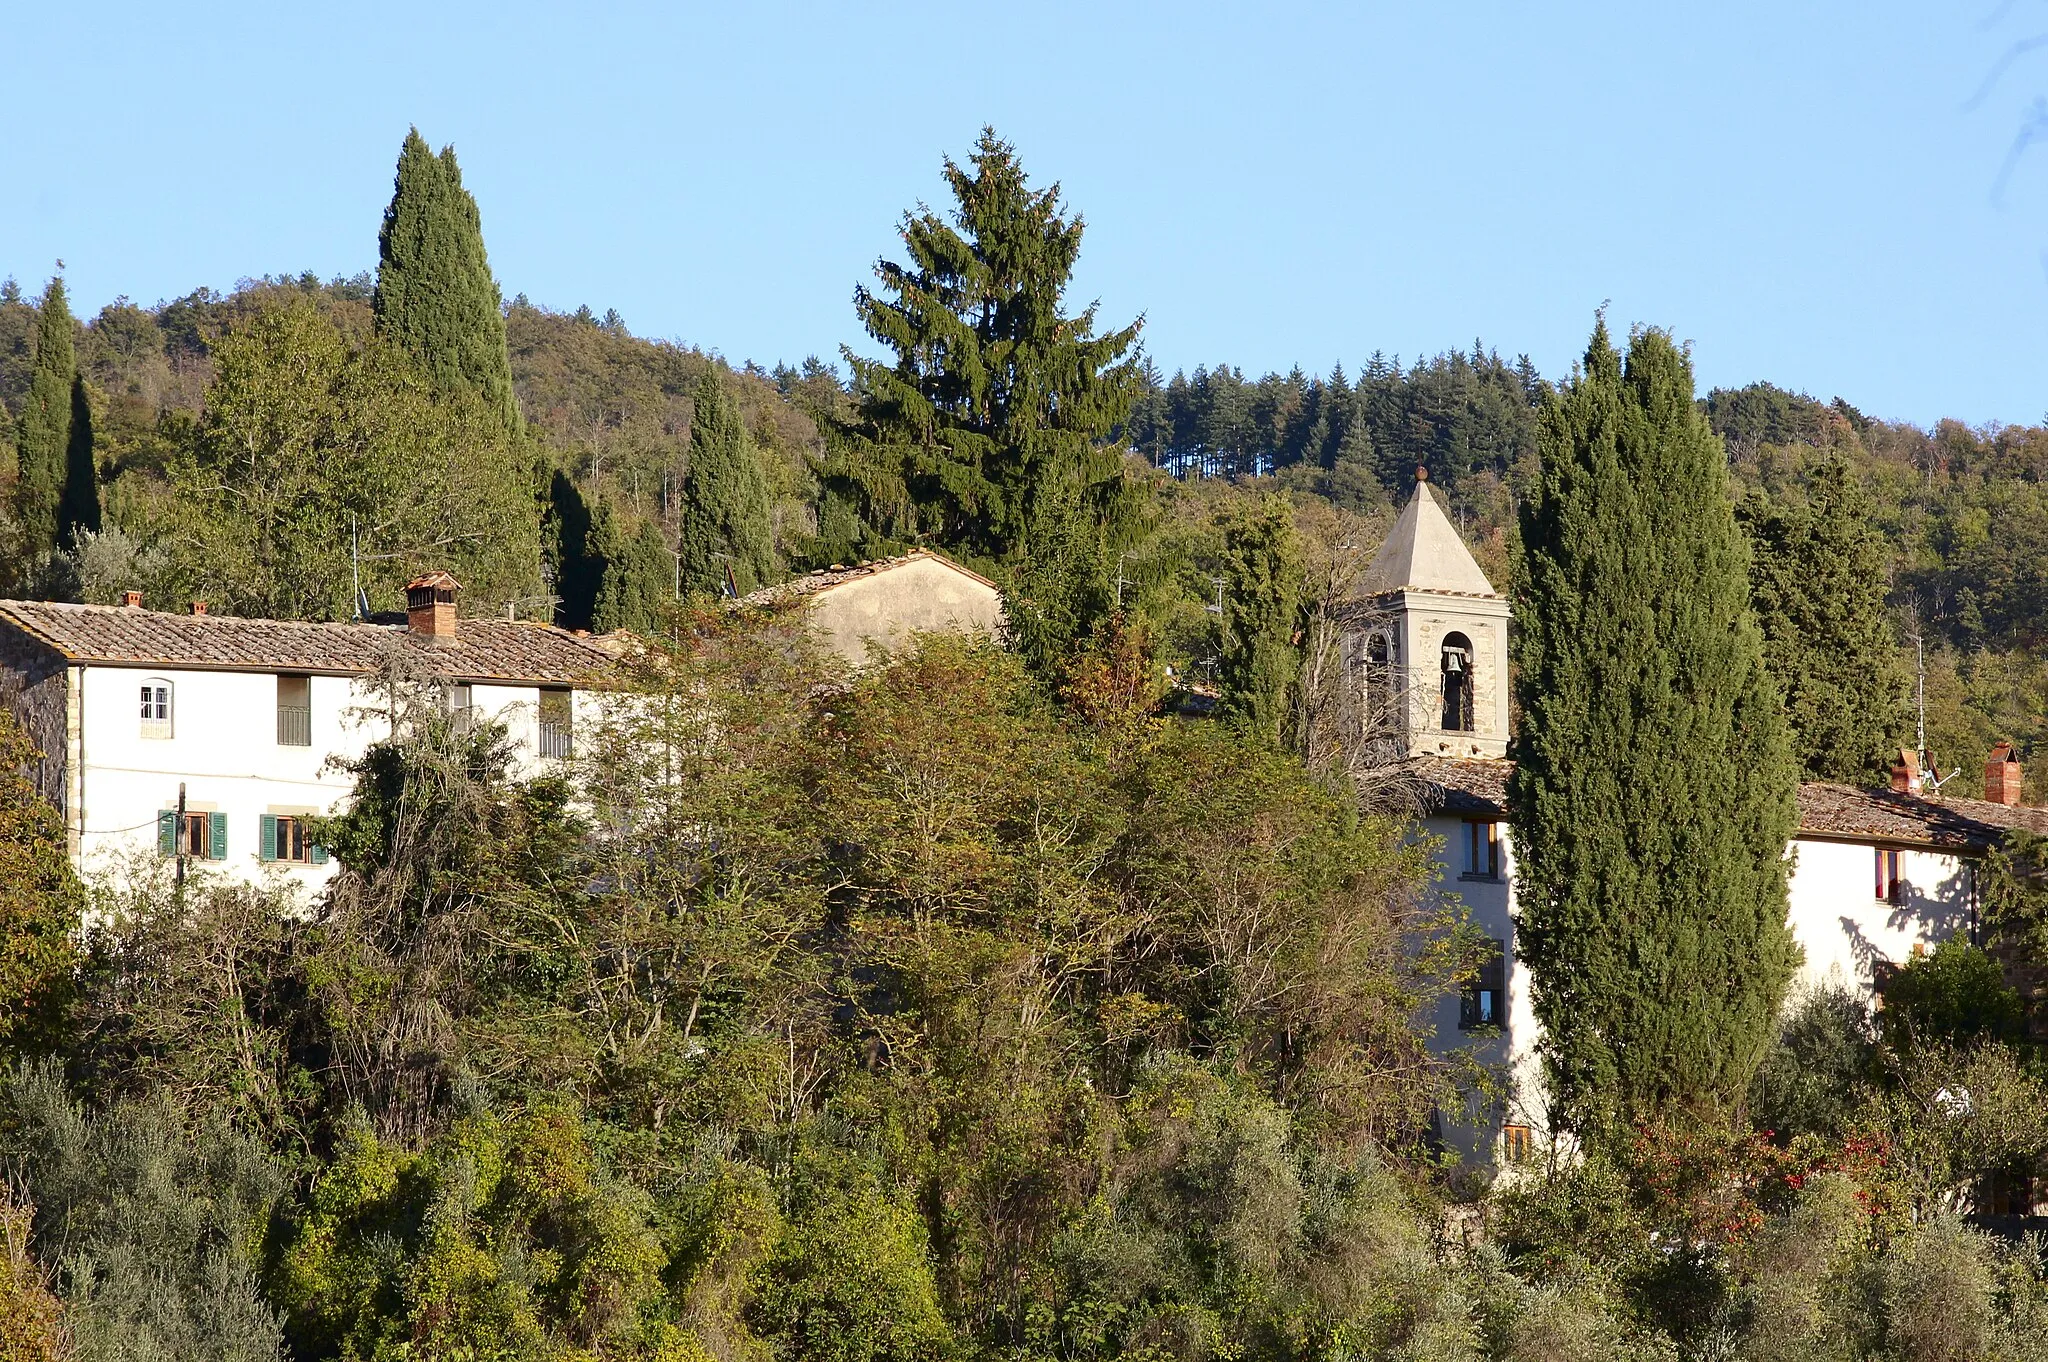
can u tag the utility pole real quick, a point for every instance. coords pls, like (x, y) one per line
(178, 841)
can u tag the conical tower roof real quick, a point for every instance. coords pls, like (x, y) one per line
(1424, 553)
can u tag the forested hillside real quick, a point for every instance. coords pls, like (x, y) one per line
(595, 486)
(999, 1000)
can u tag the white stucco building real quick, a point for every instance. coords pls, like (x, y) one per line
(1877, 874)
(243, 719)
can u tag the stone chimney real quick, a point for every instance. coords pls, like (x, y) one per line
(131, 600)
(2002, 776)
(430, 606)
(1906, 773)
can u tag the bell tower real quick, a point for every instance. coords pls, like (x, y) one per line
(1429, 647)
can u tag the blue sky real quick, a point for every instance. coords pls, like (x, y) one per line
(1804, 190)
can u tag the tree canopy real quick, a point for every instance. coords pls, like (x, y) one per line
(1653, 787)
(436, 299)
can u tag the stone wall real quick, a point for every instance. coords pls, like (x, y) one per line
(34, 686)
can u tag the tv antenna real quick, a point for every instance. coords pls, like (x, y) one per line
(355, 563)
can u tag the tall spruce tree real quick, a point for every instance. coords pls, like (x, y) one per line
(435, 296)
(1259, 661)
(78, 506)
(43, 435)
(1818, 576)
(1654, 784)
(725, 499)
(995, 403)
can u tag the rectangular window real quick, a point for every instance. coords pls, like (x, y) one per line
(285, 837)
(198, 836)
(555, 735)
(1481, 1004)
(1889, 887)
(1482, 849)
(461, 707)
(156, 709)
(1517, 1142)
(294, 711)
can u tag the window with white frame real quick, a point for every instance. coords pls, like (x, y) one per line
(156, 708)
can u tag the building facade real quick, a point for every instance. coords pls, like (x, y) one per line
(882, 604)
(216, 740)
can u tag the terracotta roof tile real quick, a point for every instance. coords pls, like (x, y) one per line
(1465, 785)
(1826, 812)
(482, 650)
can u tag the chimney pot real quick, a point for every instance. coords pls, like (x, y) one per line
(430, 606)
(131, 600)
(2004, 781)
(199, 607)
(1906, 773)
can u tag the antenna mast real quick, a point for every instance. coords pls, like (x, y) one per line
(1920, 699)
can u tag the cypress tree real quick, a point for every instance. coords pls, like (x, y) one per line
(43, 436)
(1818, 577)
(1259, 662)
(724, 499)
(78, 508)
(568, 548)
(435, 297)
(639, 577)
(1654, 786)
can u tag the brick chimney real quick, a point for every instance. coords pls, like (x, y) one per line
(1906, 773)
(199, 607)
(430, 606)
(131, 600)
(2002, 776)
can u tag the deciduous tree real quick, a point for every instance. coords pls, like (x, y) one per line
(311, 440)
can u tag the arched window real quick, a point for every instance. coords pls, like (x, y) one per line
(156, 708)
(1457, 674)
(1376, 673)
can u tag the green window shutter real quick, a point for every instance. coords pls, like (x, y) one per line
(266, 840)
(217, 837)
(167, 832)
(318, 855)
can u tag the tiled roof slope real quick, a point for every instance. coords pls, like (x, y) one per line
(1826, 812)
(812, 583)
(1424, 553)
(1465, 786)
(1847, 813)
(482, 650)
